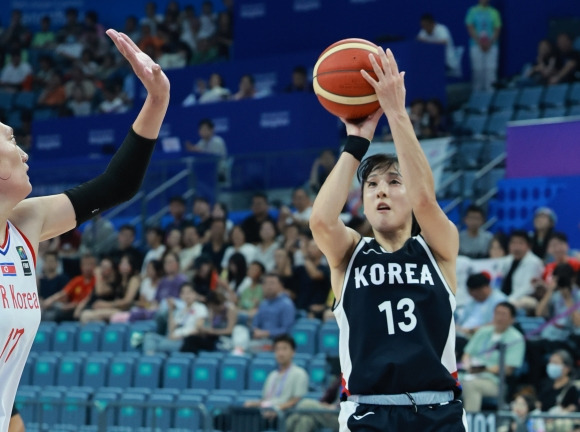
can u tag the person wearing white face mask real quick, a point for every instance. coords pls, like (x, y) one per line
(559, 394)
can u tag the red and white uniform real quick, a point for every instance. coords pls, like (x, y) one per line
(19, 315)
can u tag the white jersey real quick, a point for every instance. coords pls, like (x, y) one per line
(19, 315)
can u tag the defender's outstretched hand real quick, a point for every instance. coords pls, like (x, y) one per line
(149, 72)
(390, 83)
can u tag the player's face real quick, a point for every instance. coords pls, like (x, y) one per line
(385, 200)
(13, 168)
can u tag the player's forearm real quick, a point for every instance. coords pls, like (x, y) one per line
(148, 122)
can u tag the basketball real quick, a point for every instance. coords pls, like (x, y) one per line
(338, 83)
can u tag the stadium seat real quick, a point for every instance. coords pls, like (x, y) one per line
(26, 403)
(218, 403)
(176, 372)
(574, 110)
(470, 152)
(49, 413)
(258, 372)
(69, 371)
(494, 149)
(14, 119)
(148, 372)
(44, 114)
(505, 100)
(218, 355)
(328, 338)
(25, 100)
(305, 336)
(479, 102)
(318, 371)
(140, 327)
(530, 114)
(203, 393)
(159, 415)
(74, 411)
(43, 338)
(65, 338)
(497, 124)
(468, 184)
(131, 412)
(574, 95)
(101, 407)
(204, 373)
(475, 124)
(302, 361)
(530, 98)
(95, 371)
(26, 378)
(88, 338)
(179, 354)
(530, 325)
(6, 99)
(551, 112)
(233, 373)
(555, 95)
(113, 338)
(121, 372)
(45, 369)
(187, 415)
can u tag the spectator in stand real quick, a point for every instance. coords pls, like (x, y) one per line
(171, 16)
(567, 61)
(72, 25)
(522, 406)
(156, 248)
(62, 305)
(286, 385)
(208, 141)
(217, 91)
(302, 209)
(246, 88)
(125, 240)
(45, 38)
(87, 64)
(77, 78)
(417, 116)
(150, 283)
(267, 245)
(290, 239)
(216, 245)
(78, 105)
(207, 20)
(484, 26)
(498, 246)
(313, 280)
(132, 28)
(151, 19)
(520, 268)
(151, 43)
(206, 277)
(45, 70)
(173, 241)
(221, 320)
(68, 50)
(276, 313)
(191, 250)
(238, 245)
(52, 279)
(436, 124)
(558, 249)
(473, 241)
(168, 288)
(437, 33)
(250, 293)
(54, 95)
(105, 286)
(320, 169)
(99, 236)
(558, 306)
(182, 322)
(112, 102)
(544, 66)
(224, 36)
(232, 276)
(481, 357)
(16, 34)
(177, 212)
(15, 73)
(285, 270)
(220, 211)
(125, 294)
(300, 82)
(68, 251)
(190, 27)
(202, 217)
(252, 224)
(559, 395)
(544, 222)
(205, 53)
(174, 53)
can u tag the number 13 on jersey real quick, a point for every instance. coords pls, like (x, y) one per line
(405, 304)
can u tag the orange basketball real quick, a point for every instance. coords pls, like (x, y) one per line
(337, 80)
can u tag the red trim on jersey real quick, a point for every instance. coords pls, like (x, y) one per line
(456, 376)
(27, 244)
(6, 237)
(343, 383)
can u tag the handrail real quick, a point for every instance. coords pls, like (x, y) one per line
(455, 176)
(118, 209)
(454, 203)
(167, 184)
(486, 197)
(488, 223)
(490, 165)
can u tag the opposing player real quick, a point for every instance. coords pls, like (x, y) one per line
(394, 292)
(26, 222)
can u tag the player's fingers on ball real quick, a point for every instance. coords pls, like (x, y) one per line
(384, 61)
(376, 68)
(392, 62)
(368, 78)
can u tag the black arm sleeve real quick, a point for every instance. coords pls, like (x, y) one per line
(120, 181)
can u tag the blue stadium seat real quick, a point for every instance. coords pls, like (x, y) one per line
(470, 153)
(43, 338)
(95, 371)
(258, 372)
(26, 402)
(555, 95)
(148, 372)
(505, 100)
(49, 414)
(14, 119)
(74, 411)
(88, 338)
(113, 338)
(204, 373)
(574, 95)
(328, 338)
(530, 324)
(218, 403)
(530, 98)
(159, 416)
(479, 102)
(69, 371)
(469, 185)
(574, 110)
(495, 148)
(45, 370)
(318, 371)
(233, 373)
(218, 355)
(6, 99)
(64, 338)
(497, 124)
(121, 372)
(26, 378)
(25, 100)
(44, 114)
(490, 180)
(141, 327)
(475, 124)
(530, 114)
(305, 336)
(186, 415)
(551, 112)
(176, 372)
(302, 362)
(131, 413)
(101, 406)
(179, 354)
(203, 393)
(265, 355)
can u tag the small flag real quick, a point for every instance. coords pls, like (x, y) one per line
(8, 269)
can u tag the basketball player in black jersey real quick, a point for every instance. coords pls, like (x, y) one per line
(394, 292)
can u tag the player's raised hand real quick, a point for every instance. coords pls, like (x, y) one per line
(390, 83)
(364, 128)
(145, 68)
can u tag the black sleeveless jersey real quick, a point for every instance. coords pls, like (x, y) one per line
(397, 332)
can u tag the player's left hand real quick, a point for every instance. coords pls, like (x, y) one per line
(364, 128)
(390, 83)
(149, 72)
